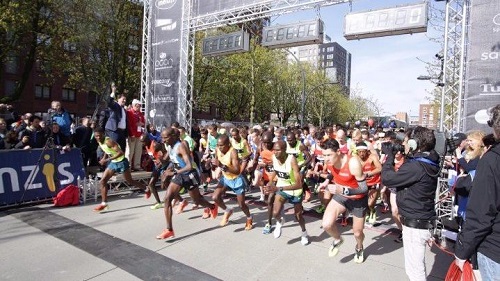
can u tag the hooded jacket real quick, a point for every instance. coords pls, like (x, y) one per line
(481, 230)
(415, 183)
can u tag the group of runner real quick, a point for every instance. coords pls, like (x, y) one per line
(287, 166)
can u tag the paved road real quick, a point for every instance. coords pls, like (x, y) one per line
(47, 243)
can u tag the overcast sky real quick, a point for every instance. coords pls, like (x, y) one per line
(384, 68)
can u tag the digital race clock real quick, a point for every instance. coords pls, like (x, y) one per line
(385, 22)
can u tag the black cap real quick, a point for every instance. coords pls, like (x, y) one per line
(459, 137)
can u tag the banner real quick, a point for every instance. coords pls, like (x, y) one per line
(22, 180)
(166, 23)
(482, 77)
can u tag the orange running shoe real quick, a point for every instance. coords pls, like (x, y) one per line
(206, 213)
(101, 208)
(225, 219)
(249, 224)
(214, 212)
(166, 234)
(147, 194)
(181, 206)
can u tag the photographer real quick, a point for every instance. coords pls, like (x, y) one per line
(415, 183)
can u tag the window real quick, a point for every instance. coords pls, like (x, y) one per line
(68, 94)
(329, 49)
(329, 56)
(11, 64)
(10, 87)
(42, 92)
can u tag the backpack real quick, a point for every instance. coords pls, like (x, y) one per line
(68, 196)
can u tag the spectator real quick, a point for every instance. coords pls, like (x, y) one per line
(153, 134)
(37, 137)
(135, 126)
(9, 141)
(23, 124)
(60, 116)
(60, 140)
(116, 119)
(3, 128)
(81, 139)
(8, 114)
(481, 229)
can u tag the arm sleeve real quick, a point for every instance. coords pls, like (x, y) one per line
(362, 188)
(481, 211)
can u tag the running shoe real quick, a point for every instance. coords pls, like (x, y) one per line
(334, 248)
(166, 234)
(399, 239)
(267, 229)
(157, 206)
(249, 224)
(195, 207)
(262, 198)
(225, 218)
(279, 225)
(101, 208)
(214, 212)
(147, 194)
(206, 213)
(182, 191)
(373, 217)
(181, 206)
(359, 256)
(321, 209)
(304, 239)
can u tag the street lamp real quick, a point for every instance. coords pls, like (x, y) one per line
(439, 83)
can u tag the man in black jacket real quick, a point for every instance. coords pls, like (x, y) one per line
(415, 183)
(481, 230)
(116, 124)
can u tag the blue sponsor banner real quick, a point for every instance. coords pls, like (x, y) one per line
(22, 180)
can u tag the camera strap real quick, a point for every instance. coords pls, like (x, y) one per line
(425, 160)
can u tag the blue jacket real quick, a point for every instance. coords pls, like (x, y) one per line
(64, 120)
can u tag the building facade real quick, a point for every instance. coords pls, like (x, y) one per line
(428, 116)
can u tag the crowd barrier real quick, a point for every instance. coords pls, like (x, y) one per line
(37, 174)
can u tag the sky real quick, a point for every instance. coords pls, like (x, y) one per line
(383, 69)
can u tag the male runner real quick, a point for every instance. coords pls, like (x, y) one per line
(349, 193)
(117, 163)
(184, 175)
(371, 169)
(227, 161)
(288, 188)
(303, 157)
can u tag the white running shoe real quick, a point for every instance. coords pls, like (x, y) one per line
(277, 230)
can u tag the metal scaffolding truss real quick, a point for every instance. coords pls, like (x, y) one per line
(257, 11)
(454, 53)
(192, 24)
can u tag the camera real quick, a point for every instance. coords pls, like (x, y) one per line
(392, 147)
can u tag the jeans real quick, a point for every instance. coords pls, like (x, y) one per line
(414, 245)
(490, 270)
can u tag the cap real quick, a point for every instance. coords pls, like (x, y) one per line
(459, 137)
(135, 101)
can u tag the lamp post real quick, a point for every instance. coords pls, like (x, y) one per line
(303, 99)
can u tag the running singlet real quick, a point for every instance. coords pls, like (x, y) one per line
(241, 148)
(266, 157)
(285, 175)
(225, 159)
(373, 180)
(318, 153)
(110, 152)
(295, 151)
(343, 177)
(212, 142)
(177, 161)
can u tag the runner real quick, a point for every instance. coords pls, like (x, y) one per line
(371, 170)
(117, 163)
(349, 193)
(243, 149)
(264, 156)
(288, 188)
(303, 157)
(185, 176)
(227, 161)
